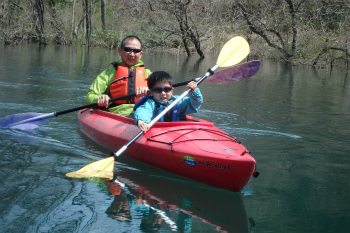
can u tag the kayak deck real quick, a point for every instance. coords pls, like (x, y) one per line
(194, 149)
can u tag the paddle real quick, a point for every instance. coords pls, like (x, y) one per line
(234, 51)
(30, 121)
(231, 74)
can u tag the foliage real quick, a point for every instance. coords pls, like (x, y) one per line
(319, 25)
(106, 38)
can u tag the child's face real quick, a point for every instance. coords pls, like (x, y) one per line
(162, 95)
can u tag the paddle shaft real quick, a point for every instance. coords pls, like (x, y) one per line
(231, 74)
(111, 100)
(55, 114)
(91, 105)
(198, 80)
(160, 115)
(244, 67)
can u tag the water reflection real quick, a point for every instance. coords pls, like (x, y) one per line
(125, 200)
(25, 137)
(169, 203)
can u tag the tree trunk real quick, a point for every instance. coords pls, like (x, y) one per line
(74, 29)
(39, 17)
(87, 22)
(56, 26)
(103, 14)
(185, 28)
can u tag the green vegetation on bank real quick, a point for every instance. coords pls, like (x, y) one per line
(310, 32)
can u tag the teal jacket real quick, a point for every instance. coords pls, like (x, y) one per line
(190, 104)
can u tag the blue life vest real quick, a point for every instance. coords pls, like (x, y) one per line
(170, 116)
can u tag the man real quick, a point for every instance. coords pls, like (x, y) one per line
(127, 76)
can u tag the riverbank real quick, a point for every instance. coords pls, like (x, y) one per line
(313, 33)
(314, 50)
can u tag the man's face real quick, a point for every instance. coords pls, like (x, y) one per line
(130, 58)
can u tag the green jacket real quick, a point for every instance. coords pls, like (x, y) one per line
(103, 80)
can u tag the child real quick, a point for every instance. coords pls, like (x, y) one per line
(161, 90)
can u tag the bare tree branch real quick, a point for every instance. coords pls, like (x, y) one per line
(186, 29)
(327, 49)
(288, 52)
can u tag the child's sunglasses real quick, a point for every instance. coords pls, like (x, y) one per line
(161, 89)
(129, 50)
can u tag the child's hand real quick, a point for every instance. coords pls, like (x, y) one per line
(142, 125)
(192, 85)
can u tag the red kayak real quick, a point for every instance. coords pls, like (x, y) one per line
(194, 149)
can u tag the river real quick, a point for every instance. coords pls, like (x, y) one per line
(294, 120)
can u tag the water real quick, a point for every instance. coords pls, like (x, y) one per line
(294, 119)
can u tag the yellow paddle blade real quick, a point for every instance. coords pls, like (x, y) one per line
(102, 168)
(234, 51)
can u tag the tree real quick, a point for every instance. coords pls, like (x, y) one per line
(74, 28)
(103, 14)
(53, 20)
(268, 24)
(88, 25)
(38, 16)
(8, 20)
(185, 29)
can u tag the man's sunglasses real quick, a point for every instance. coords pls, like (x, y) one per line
(161, 89)
(129, 50)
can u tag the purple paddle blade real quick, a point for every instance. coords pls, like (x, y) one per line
(235, 73)
(24, 121)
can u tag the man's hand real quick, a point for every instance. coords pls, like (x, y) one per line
(141, 91)
(103, 101)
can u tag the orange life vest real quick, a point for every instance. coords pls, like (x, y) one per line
(125, 82)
